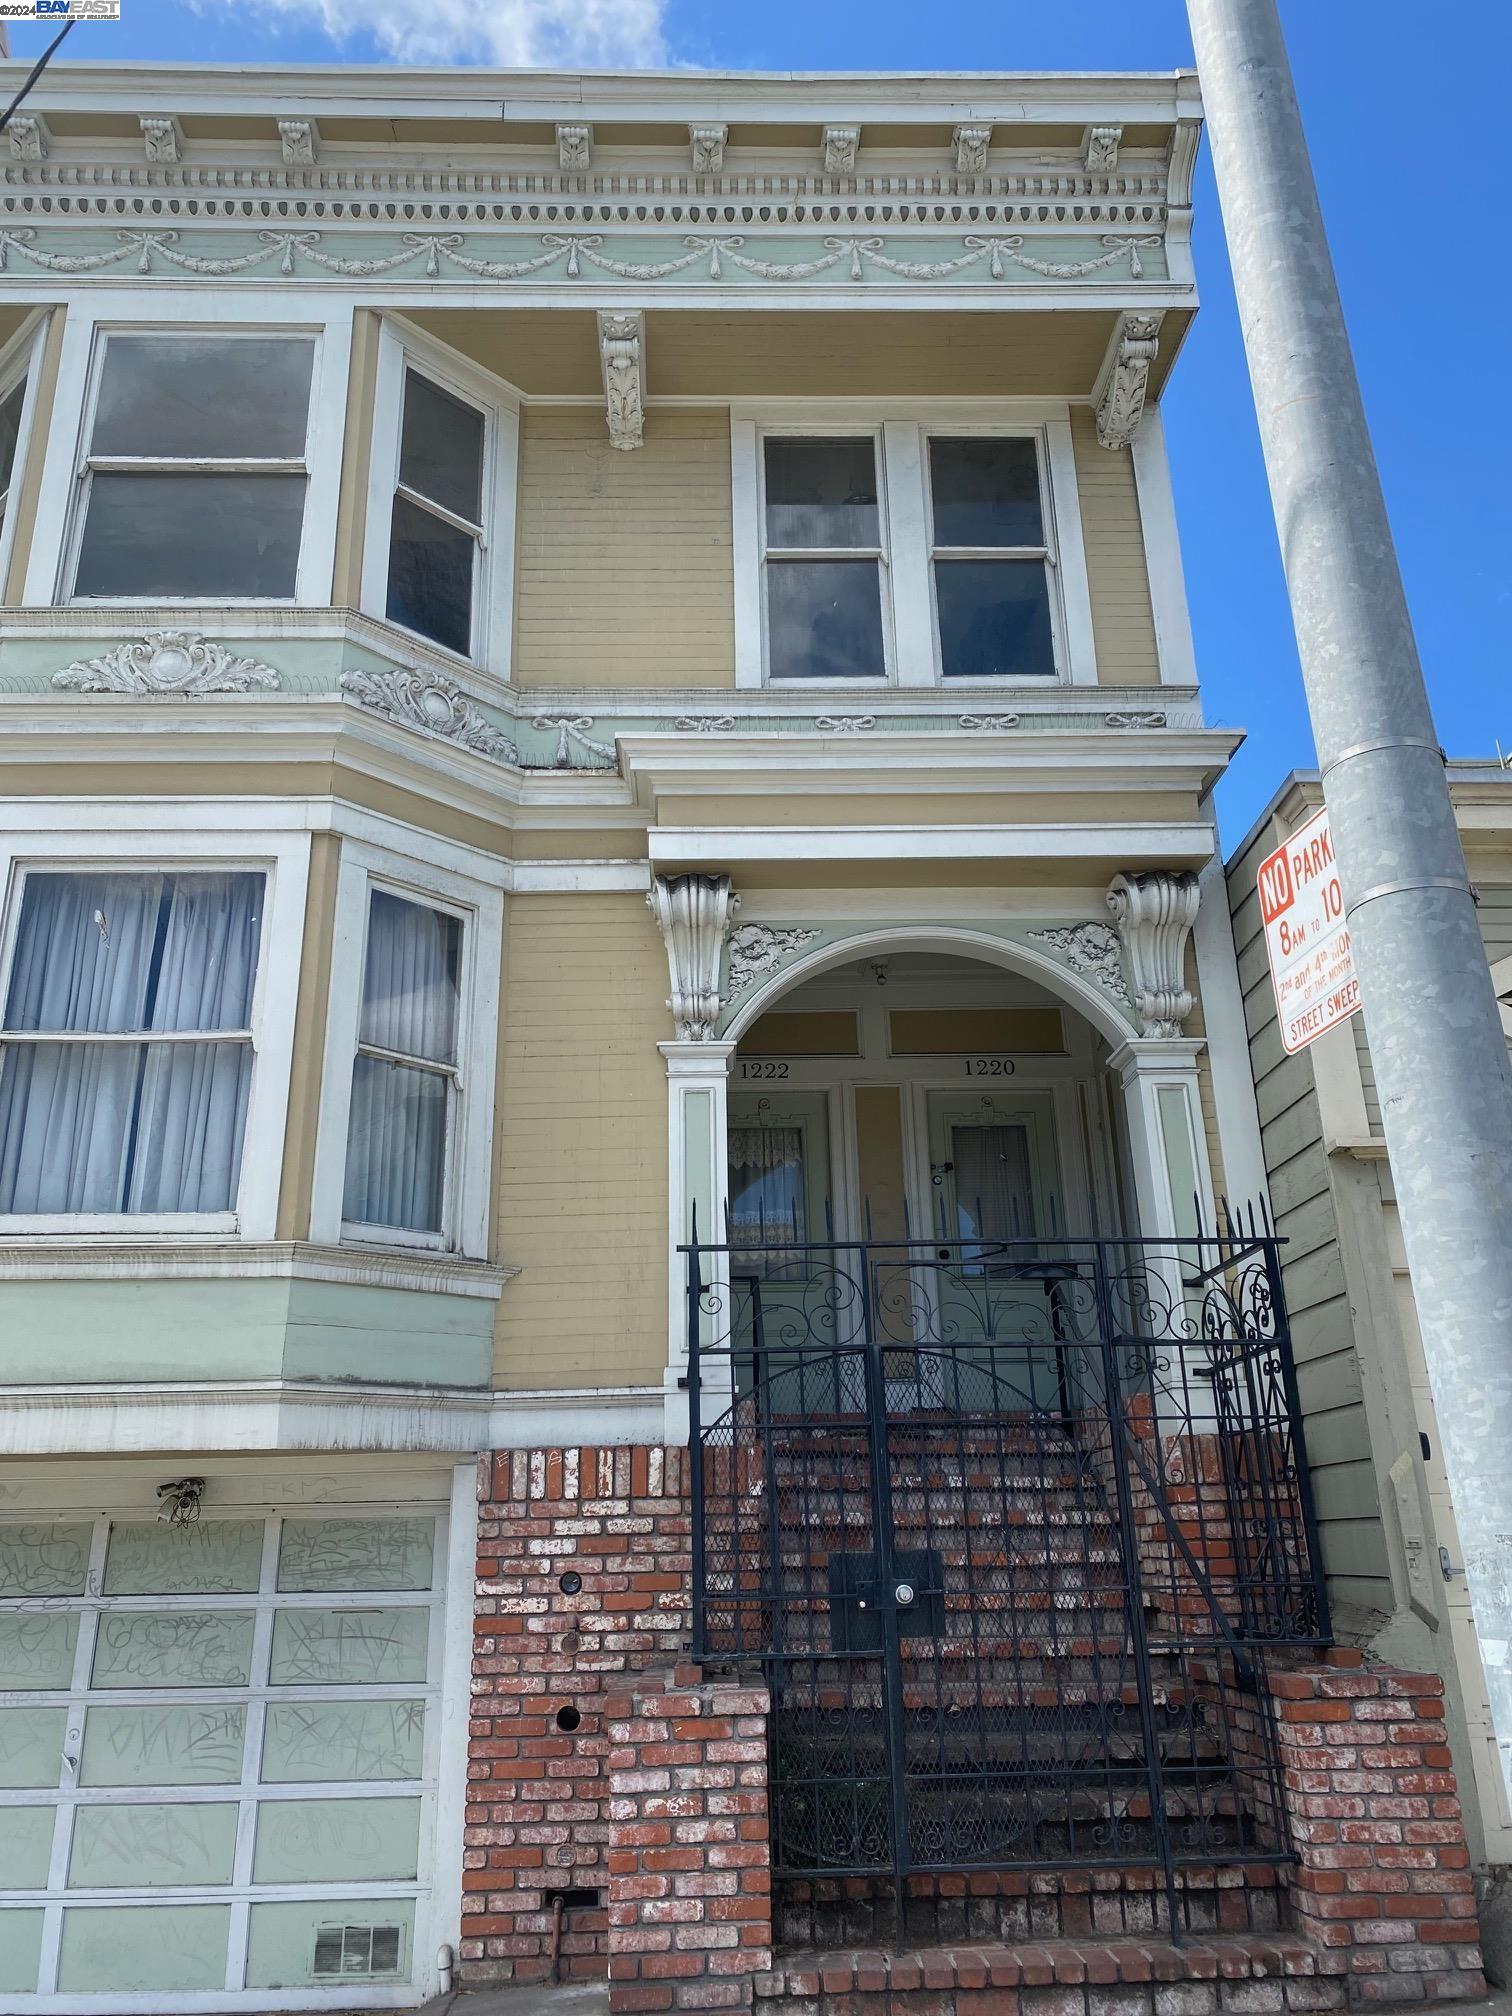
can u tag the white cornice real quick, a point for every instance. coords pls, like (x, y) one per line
(1153, 843)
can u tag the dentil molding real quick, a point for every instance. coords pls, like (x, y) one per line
(694, 913)
(1155, 913)
(167, 664)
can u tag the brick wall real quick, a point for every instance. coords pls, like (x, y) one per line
(538, 1818)
(690, 1887)
(1384, 1880)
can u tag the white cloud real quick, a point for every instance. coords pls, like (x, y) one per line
(515, 34)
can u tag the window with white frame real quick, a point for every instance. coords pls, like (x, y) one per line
(436, 531)
(439, 552)
(195, 465)
(989, 558)
(404, 1144)
(942, 547)
(12, 404)
(127, 1049)
(406, 1076)
(823, 557)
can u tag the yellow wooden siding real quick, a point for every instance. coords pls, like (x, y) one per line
(1123, 622)
(582, 1105)
(356, 462)
(26, 481)
(626, 570)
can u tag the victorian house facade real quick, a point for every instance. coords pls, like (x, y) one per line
(595, 666)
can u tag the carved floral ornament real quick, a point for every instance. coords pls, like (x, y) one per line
(565, 255)
(433, 704)
(167, 664)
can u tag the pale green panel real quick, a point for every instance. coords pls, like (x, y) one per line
(31, 1747)
(318, 1554)
(1176, 1130)
(317, 1945)
(25, 1846)
(20, 1950)
(118, 1846)
(123, 1948)
(337, 1331)
(171, 1745)
(43, 1560)
(211, 1557)
(336, 1841)
(310, 1742)
(37, 1648)
(174, 1648)
(332, 1648)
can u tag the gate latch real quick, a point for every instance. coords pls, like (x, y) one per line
(904, 1594)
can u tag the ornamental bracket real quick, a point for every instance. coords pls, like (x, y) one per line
(1155, 912)
(1119, 394)
(622, 351)
(162, 137)
(299, 142)
(706, 145)
(694, 912)
(574, 149)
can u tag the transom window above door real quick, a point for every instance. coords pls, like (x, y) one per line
(909, 553)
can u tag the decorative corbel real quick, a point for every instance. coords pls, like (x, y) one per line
(1100, 145)
(706, 145)
(622, 351)
(162, 137)
(28, 137)
(694, 912)
(841, 145)
(574, 149)
(1125, 377)
(1155, 912)
(971, 144)
(300, 141)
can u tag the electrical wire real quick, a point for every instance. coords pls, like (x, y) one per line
(36, 71)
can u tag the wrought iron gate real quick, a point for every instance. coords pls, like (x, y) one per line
(1008, 1526)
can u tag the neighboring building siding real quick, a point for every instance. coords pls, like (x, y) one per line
(626, 575)
(582, 1184)
(1123, 622)
(1495, 913)
(1328, 1372)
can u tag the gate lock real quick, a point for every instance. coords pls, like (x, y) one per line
(903, 1595)
(858, 1596)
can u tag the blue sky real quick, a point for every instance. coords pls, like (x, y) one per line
(1409, 177)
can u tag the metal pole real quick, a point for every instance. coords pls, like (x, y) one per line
(1435, 1036)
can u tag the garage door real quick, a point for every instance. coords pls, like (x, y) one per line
(218, 1757)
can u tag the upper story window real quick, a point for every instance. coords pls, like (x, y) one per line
(12, 402)
(824, 557)
(196, 466)
(920, 551)
(404, 1148)
(439, 551)
(405, 1079)
(437, 526)
(989, 559)
(126, 1057)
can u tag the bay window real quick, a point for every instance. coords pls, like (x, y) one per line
(195, 465)
(823, 557)
(405, 1077)
(439, 553)
(989, 558)
(127, 1049)
(12, 400)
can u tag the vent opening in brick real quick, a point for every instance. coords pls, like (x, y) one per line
(574, 1900)
(568, 1719)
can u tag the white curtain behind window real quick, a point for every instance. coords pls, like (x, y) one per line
(396, 1136)
(133, 1127)
(766, 1186)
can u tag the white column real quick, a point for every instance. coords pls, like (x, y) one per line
(1167, 1140)
(697, 1190)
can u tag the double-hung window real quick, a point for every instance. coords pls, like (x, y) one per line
(989, 558)
(406, 1076)
(12, 403)
(824, 558)
(127, 1048)
(439, 551)
(436, 533)
(195, 466)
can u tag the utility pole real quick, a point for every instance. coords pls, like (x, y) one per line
(1435, 1035)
